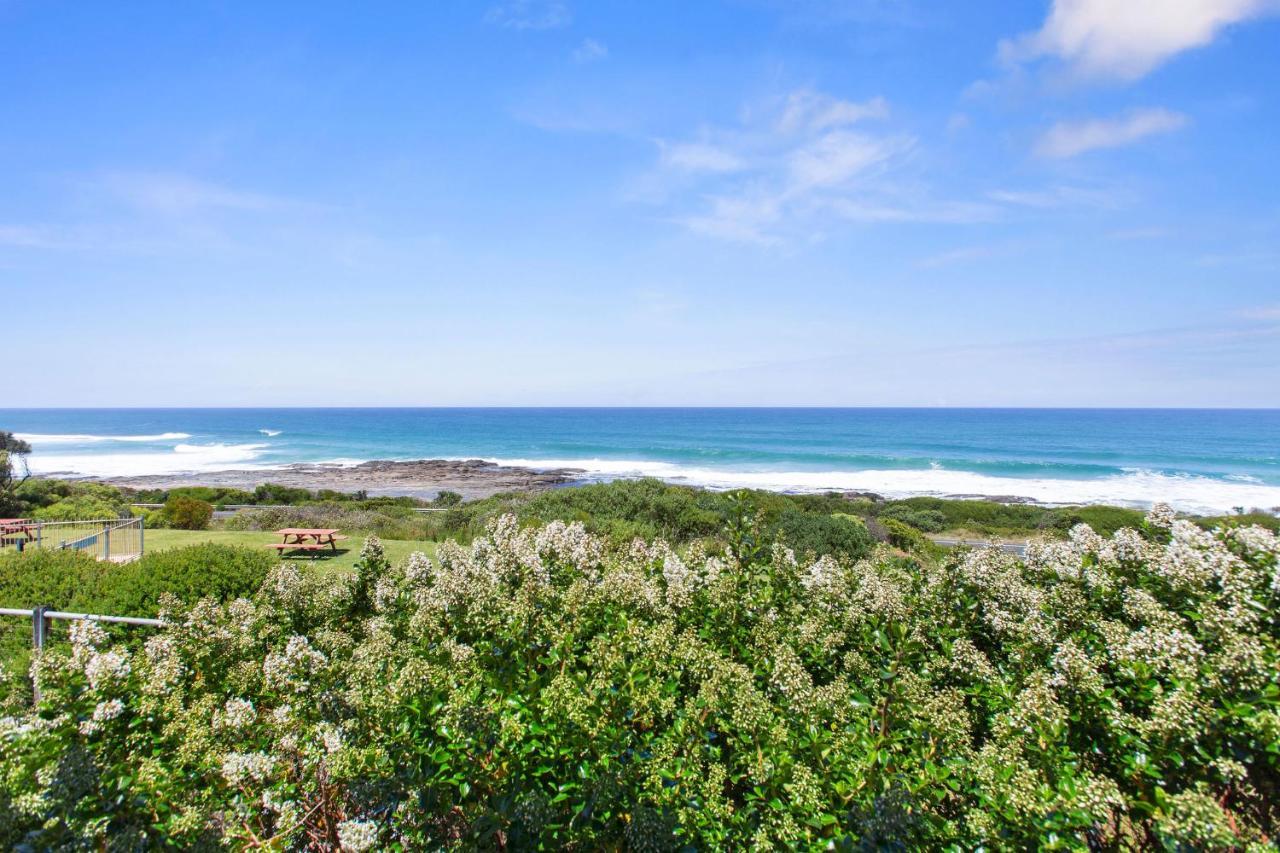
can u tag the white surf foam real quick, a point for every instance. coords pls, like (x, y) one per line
(184, 458)
(270, 433)
(37, 439)
(1133, 488)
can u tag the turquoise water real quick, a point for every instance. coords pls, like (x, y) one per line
(1198, 459)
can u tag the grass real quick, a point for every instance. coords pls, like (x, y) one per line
(343, 559)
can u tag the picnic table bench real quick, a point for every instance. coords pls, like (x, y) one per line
(307, 539)
(15, 530)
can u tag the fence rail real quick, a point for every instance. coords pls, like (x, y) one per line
(117, 540)
(43, 615)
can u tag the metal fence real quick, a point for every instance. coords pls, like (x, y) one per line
(117, 540)
(43, 616)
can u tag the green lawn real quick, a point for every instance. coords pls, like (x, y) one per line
(397, 550)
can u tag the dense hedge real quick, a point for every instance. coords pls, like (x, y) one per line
(71, 580)
(541, 690)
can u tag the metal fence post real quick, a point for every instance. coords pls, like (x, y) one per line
(39, 626)
(142, 535)
(39, 634)
(106, 542)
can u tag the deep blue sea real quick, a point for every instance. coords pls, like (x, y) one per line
(1199, 460)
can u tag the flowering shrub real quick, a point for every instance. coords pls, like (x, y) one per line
(539, 688)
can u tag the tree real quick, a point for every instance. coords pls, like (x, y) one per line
(13, 470)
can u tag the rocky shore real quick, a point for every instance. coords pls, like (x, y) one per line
(472, 478)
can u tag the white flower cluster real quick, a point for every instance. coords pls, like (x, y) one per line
(164, 662)
(330, 736)
(418, 571)
(241, 767)
(237, 714)
(571, 544)
(822, 575)
(291, 668)
(1161, 516)
(372, 550)
(104, 669)
(357, 836)
(102, 713)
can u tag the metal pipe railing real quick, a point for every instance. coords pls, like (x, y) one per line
(42, 615)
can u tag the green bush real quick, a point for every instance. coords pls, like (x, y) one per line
(928, 520)
(74, 581)
(71, 580)
(273, 493)
(78, 508)
(904, 536)
(67, 580)
(184, 513)
(647, 507)
(39, 492)
(217, 496)
(79, 502)
(222, 572)
(808, 535)
(1261, 519)
(541, 691)
(1104, 519)
(447, 498)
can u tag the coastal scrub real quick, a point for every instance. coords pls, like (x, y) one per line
(540, 687)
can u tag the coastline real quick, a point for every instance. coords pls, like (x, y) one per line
(424, 478)
(421, 478)
(480, 478)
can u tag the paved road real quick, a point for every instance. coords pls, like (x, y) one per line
(1019, 548)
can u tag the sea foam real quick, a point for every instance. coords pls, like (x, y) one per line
(183, 458)
(36, 439)
(1137, 488)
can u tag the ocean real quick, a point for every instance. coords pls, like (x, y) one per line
(1197, 460)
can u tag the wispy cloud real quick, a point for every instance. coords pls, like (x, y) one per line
(1126, 39)
(960, 255)
(1266, 260)
(1151, 232)
(530, 14)
(1070, 138)
(590, 51)
(175, 193)
(1262, 312)
(793, 166)
(700, 157)
(1062, 195)
(35, 237)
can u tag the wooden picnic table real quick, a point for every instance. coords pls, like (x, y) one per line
(15, 530)
(307, 539)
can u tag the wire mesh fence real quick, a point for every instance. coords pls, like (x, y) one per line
(117, 540)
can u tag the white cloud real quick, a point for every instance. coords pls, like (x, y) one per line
(33, 237)
(1126, 39)
(914, 209)
(961, 255)
(700, 157)
(590, 51)
(1067, 139)
(792, 167)
(530, 14)
(1052, 197)
(805, 109)
(836, 157)
(172, 193)
(1261, 312)
(741, 219)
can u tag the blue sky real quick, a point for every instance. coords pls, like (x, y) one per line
(528, 202)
